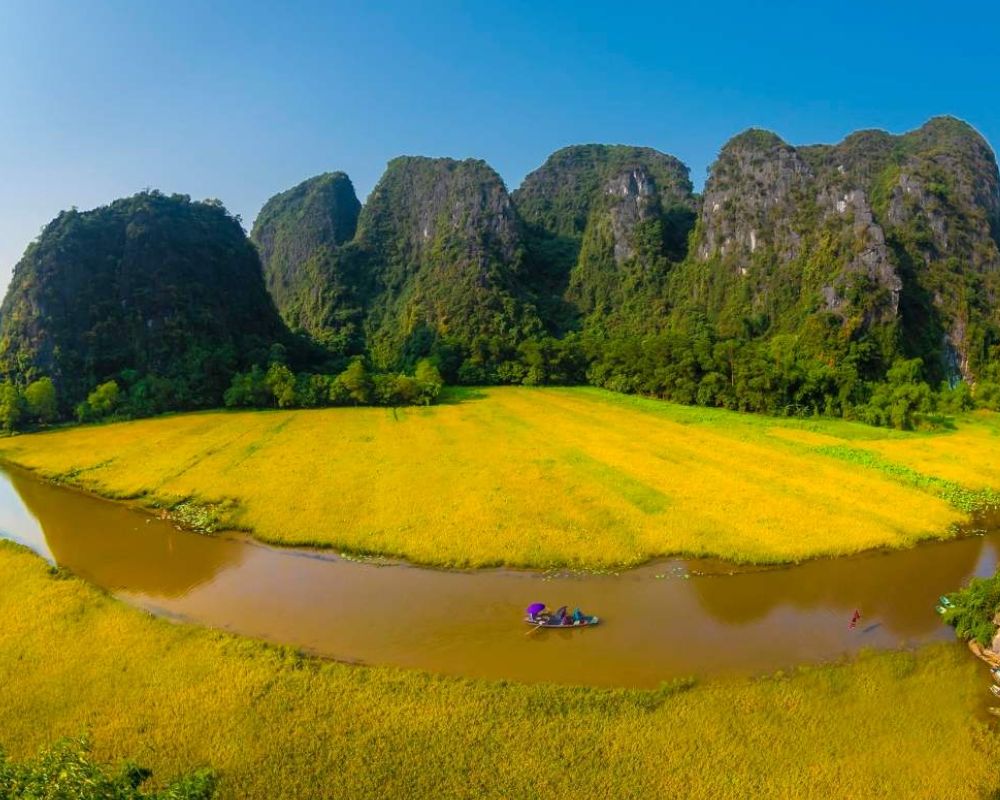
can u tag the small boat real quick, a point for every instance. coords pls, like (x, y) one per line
(995, 689)
(945, 601)
(566, 622)
(941, 610)
(537, 615)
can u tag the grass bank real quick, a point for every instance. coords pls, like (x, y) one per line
(273, 724)
(538, 477)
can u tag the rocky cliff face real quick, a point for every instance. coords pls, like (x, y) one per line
(302, 236)
(604, 222)
(444, 248)
(295, 232)
(890, 239)
(151, 284)
(878, 230)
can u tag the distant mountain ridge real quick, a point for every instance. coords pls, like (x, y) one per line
(894, 235)
(798, 278)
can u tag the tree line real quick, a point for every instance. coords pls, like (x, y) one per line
(277, 386)
(781, 376)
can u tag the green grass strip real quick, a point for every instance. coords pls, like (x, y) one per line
(964, 499)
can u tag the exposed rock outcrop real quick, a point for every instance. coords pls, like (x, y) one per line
(877, 230)
(605, 223)
(444, 248)
(298, 234)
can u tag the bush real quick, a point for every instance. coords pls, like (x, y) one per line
(248, 390)
(40, 400)
(67, 772)
(100, 403)
(429, 382)
(279, 387)
(357, 383)
(973, 609)
(11, 406)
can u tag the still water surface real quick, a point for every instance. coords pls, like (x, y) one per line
(662, 621)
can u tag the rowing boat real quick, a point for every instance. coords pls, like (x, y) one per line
(566, 622)
(538, 616)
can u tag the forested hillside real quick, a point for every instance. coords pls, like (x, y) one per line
(857, 279)
(161, 293)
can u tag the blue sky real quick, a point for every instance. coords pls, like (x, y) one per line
(242, 100)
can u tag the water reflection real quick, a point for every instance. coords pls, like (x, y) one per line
(656, 628)
(108, 544)
(896, 588)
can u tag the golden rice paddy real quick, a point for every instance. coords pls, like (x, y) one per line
(274, 724)
(535, 477)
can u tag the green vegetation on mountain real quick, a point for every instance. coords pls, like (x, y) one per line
(445, 255)
(315, 283)
(435, 261)
(604, 223)
(160, 293)
(881, 247)
(857, 280)
(854, 279)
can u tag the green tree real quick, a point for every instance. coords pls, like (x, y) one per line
(902, 398)
(11, 406)
(357, 382)
(281, 382)
(248, 390)
(40, 398)
(103, 401)
(407, 390)
(429, 382)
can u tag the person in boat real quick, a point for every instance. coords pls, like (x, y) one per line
(578, 616)
(537, 613)
(559, 618)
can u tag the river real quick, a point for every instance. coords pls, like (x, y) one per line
(659, 622)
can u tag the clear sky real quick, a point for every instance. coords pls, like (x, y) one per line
(241, 100)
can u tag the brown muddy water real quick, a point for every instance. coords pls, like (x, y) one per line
(662, 621)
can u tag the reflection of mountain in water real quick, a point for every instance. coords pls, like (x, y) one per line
(898, 589)
(120, 549)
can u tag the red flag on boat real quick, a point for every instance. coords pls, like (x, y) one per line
(854, 619)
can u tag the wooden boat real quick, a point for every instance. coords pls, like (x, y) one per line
(996, 690)
(585, 621)
(540, 617)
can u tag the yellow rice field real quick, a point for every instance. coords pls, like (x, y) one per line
(274, 724)
(534, 477)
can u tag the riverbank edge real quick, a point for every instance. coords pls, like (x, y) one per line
(165, 508)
